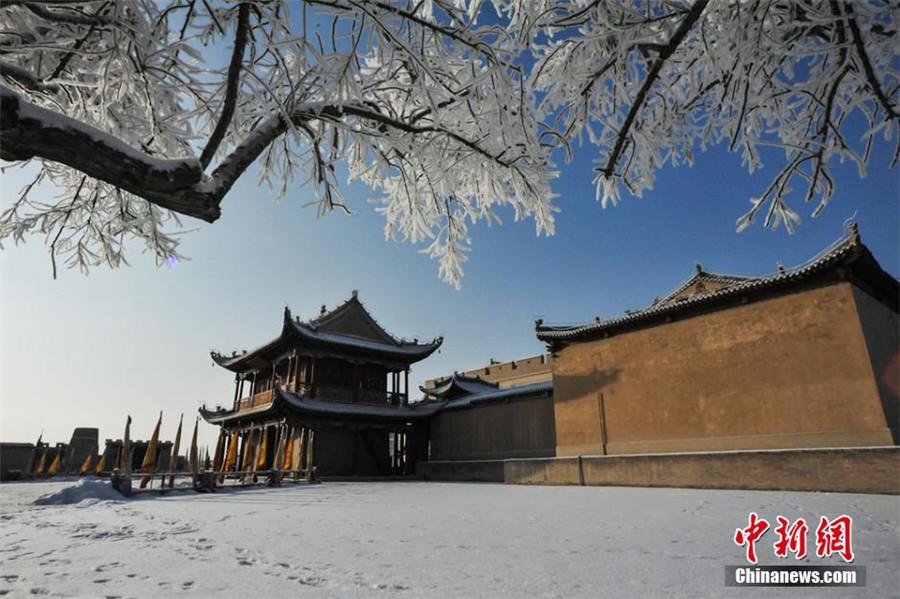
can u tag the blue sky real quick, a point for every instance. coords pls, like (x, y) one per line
(86, 351)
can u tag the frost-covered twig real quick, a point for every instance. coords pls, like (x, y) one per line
(451, 111)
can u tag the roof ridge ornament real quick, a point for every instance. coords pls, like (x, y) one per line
(845, 250)
(699, 267)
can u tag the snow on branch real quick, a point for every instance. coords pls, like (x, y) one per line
(650, 83)
(451, 111)
(30, 131)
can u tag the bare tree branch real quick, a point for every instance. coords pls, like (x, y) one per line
(30, 131)
(24, 78)
(664, 52)
(231, 88)
(890, 111)
(69, 17)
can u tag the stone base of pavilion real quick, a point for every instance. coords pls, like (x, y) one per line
(837, 470)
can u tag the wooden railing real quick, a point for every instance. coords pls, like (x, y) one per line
(256, 400)
(328, 392)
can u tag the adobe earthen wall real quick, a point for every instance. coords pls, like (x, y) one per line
(787, 371)
(881, 329)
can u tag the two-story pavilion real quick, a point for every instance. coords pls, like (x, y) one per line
(338, 385)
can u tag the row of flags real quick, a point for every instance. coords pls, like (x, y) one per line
(150, 463)
(292, 452)
(49, 466)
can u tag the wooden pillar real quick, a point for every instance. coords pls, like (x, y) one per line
(403, 456)
(301, 457)
(226, 443)
(250, 451)
(241, 451)
(296, 451)
(309, 455)
(406, 388)
(284, 461)
(257, 447)
(287, 373)
(278, 453)
(237, 390)
(355, 467)
(395, 383)
(288, 456)
(312, 377)
(355, 382)
(396, 465)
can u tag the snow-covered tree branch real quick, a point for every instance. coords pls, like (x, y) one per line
(447, 109)
(648, 83)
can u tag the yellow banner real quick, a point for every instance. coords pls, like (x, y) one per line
(149, 463)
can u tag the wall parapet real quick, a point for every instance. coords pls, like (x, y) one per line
(838, 470)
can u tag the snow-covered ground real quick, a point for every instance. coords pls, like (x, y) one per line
(416, 540)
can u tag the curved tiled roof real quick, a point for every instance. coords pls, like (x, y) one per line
(404, 349)
(458, 384)
(222, 416)
(846, 252)
(702, 277)
(507, 393)
(284, 401)
(288, 401)
(323, 332)
(370, 411)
